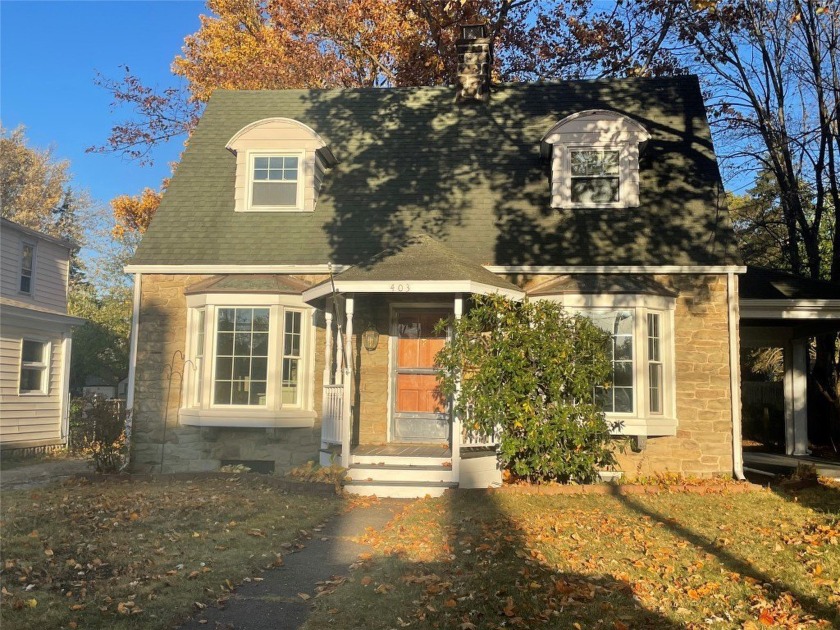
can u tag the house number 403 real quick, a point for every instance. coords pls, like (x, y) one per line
(400, 288)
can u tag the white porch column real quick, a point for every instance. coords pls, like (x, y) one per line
(796, 397)
(339, 344)
(457, 431)
(328, 333)
(346, 417)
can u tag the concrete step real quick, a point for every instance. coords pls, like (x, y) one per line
(391, 472)
(398, 460)
(399, 489)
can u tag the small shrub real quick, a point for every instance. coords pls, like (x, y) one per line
(97, 431)
(528, 370)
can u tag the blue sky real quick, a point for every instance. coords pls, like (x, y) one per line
(50, 53)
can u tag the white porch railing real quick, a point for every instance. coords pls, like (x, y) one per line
(478, 438)
(332, 427)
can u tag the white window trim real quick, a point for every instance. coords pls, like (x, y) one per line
(44, 365)
(34, 247)
(202, 411)
(299, 198)
(640, 422)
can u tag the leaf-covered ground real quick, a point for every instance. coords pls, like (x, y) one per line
(141, 555)
(672, 560)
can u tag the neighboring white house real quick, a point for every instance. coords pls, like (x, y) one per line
(35, 338)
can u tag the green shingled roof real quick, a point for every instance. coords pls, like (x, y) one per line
(410, 160)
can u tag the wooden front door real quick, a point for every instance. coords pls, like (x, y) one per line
(419, 410)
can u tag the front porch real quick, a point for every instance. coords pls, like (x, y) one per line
(383, 417)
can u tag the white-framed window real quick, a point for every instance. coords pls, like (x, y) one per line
(275, 181)
(642, 394)
(594, 160)
(34, 367)
(27, 267)
(251, 360)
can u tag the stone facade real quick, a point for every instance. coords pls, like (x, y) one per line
(159, 442)
(703, 444)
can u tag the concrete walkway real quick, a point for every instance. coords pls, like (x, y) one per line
(274, 603)
(36, 475)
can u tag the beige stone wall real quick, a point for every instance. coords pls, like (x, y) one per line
(703, 444)
(157, 435)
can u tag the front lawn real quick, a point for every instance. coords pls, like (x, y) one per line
(141, 555)
(672, 560)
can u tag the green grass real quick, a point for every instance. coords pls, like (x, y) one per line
(672, 560)
(140, 555)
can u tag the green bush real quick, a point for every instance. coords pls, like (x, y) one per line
(97, 431)
(528, 370)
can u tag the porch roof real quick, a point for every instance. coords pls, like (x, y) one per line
(610, 284)
(248, 283)
(421, 265)
(768, 294)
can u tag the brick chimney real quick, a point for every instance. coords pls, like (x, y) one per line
(475, 60)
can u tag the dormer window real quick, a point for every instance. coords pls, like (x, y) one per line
(275, 182)
(594, 160)
(280, 166)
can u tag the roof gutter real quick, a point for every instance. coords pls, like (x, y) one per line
(735, 376)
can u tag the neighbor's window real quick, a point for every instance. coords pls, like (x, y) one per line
(619, 324)
(274, 181)
(33, 367)
(241, 372)
(27, 263)
(595, 176)
(198, 354)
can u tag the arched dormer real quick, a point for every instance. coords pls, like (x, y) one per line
(280, 165)
(594, 160)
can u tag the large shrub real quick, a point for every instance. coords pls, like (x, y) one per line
(97, 431)
(529, 369)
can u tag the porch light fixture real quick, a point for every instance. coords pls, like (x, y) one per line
(370, 338)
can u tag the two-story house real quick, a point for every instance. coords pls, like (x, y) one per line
(287, 289)
(35, 338)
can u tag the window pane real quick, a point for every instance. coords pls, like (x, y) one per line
(26, 258)
(240, 393)
(290, 175)
(33, 351)
(259, 369)
(241, 368)
(31, 379)
(290, 162)
(276, 163)
(242, 345)
(261, 319)
(243, 319)
(260, 345)
(260, 162)
(290, 380)
(623, 399)
(274, 194)
(623, 348)
(655, 387)
(623, 374)
(224, 368)
(260, 174)
(222, 393)
(25, 284)
(257, 394)
(226, 316)
(595, 190)
(224, 344)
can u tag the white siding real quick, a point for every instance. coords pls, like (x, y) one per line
(31, 417)
(49, 276)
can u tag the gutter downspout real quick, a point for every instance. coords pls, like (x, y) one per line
(132, 368)
(735, 375)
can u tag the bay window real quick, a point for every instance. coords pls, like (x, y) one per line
(641, 394)
(248, 361)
